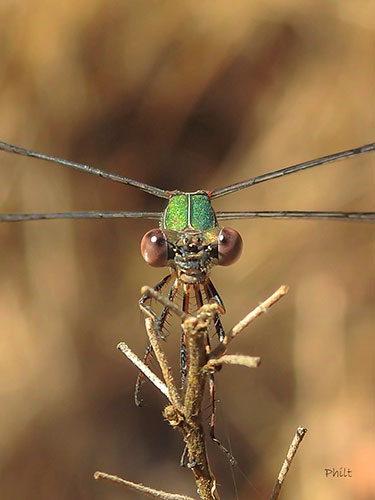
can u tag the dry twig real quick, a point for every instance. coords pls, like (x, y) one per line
(185, 409)
(140, 487)
(159, 384)
(301, 431)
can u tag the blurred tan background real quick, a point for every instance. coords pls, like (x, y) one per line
(189, 95)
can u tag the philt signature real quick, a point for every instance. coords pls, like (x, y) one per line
(341, 472)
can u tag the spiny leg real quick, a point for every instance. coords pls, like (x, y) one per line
(212, 293)
(145, 298)
(185, 308)
(211, 385)
(141, 377)
(215, 295)
(183, 355)
(160, 322)
(165, 311)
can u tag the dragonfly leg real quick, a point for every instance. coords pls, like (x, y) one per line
(143, 304)
(141, 378)
(159, 322)
(185, 461)
(212, 294)
(165, 311)
(211, 384)
(184, 458)
(183, 349)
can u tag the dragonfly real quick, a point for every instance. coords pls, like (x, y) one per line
(189, 239)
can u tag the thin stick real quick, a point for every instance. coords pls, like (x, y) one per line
(150, 292)
(232, 359)
(255, 313)
(196, 331)
(185, 411)
(151, 492)
(164, 365)
(159, 384)
(301, 431)
(241, 325)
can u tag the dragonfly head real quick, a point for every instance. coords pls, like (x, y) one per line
(191, 253)
(189, 240)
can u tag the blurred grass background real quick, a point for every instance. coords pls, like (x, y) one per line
(189, 95)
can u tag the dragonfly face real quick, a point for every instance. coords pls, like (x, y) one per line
(190, 240)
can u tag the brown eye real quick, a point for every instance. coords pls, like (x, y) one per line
(154, 248)
(230, 246)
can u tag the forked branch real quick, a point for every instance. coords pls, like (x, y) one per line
(184, 411)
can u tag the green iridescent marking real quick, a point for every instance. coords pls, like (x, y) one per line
(202, 215)
(176, 213)
(189, 211)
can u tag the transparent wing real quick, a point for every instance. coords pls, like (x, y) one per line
(160, 193)
(357, 216)
(216, 193)
(80, 215)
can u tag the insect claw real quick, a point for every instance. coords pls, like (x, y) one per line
(158, 329)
